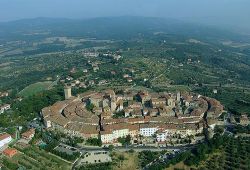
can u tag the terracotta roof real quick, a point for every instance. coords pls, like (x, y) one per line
(110, 92)
(97, 96)
(137, 112)
(190, 120)
(136, 105)
(87, 94)
(10, 152)
(149, 125)
(196, 112)
(60, 120)
(4, 136)
(154, 110)
(120, 126)
(164, 119)
(106, 132)
(211, 121)
(82, 128)
(158, 100)
(28, 133)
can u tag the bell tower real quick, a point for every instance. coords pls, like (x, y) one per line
(67, 92)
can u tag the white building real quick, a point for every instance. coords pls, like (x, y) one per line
(4, 108)
(120, 133)
(148, 129)
(47, 122)
(111, 135)
(107, 137)
(115, 131)
(161, 136)
(4, 139)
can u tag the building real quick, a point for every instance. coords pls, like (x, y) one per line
(29, 134)
(95, 68)
(10, 152)
(114, 131)
(161, 136)
(83, 131)
(154, 112)
(160, 102)
(136, 105)
(145, 112)
(4, 108)
(144, 97)
(148, 129)
(5, 139)
(4, 94)
(127, 112)
(178, 97)
(128, 97)
(215, 91)
(161, 115)
(96, 99)
(71, 115)
(67, 92)
(107, 137)
(120, 105)
(171, 102)
(113, 105)
(244, 120)
(136, 113)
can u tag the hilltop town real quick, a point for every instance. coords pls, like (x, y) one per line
(116, 95)
(143, 116)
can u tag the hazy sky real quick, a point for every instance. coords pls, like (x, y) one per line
(235, 13)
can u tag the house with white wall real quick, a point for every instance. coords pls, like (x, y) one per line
(5, 139)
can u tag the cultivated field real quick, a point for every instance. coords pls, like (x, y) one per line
(35, 88)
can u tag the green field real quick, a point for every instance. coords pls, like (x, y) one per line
(35, 88)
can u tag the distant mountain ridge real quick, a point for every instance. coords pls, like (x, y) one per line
(107, 28)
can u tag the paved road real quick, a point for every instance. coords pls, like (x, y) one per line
(83, 150)
(164, 158)
(123, 149)
(143, 148)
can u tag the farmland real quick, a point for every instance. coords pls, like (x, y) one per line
(35, 88)
(34, 158)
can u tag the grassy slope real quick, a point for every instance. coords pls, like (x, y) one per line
(35, 88)
(130, 162)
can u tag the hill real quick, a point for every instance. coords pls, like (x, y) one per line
(169, 54)
(107, 28)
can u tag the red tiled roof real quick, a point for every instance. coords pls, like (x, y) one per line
(4, 136)
(28, 133)
(10, 152)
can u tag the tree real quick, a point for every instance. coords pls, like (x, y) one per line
(124, 140)
(154, 135)
(94, 141)
(111, 147)
(218, 129)
(90, 107)
(121, 158)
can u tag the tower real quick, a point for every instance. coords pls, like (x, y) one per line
(67, 92)
(171, 102)
(120, 105)
(178, 97)
(113, 105)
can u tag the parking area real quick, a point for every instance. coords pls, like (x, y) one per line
(67, 149)
(95, 157)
